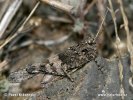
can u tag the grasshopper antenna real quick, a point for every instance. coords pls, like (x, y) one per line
(100, 28)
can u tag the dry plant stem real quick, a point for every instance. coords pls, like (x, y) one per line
(114, 19)
(101, 8)
(129, 43)
(24, 32)
(3, 64)
(41, 42)
(4, 8)
(118, 50)
(89, 6)
(130, 81)
(130, 46)
(59, 5)
(21, 28)
(27, 19)
(8, 16)
(59, 19)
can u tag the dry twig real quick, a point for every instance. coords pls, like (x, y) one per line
(4, 8)
(89, 6)
(41, 42)
(3, 65)
(59, 5)
(21, 28)
(8, 16)
(129, 43)
(118, 41)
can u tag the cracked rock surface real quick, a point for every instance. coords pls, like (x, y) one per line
(90, 83)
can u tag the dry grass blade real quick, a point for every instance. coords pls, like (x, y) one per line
(111, 9)
(129, 43)
(89, 6)
(41, 42)
(118, 41)
(101, 7)
(3, 65)
(27, 19)
(130, 81)
(9, 15)
(4, 8)
(21, 28)
(59, 5)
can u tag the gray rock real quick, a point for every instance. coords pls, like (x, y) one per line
(91, 83)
